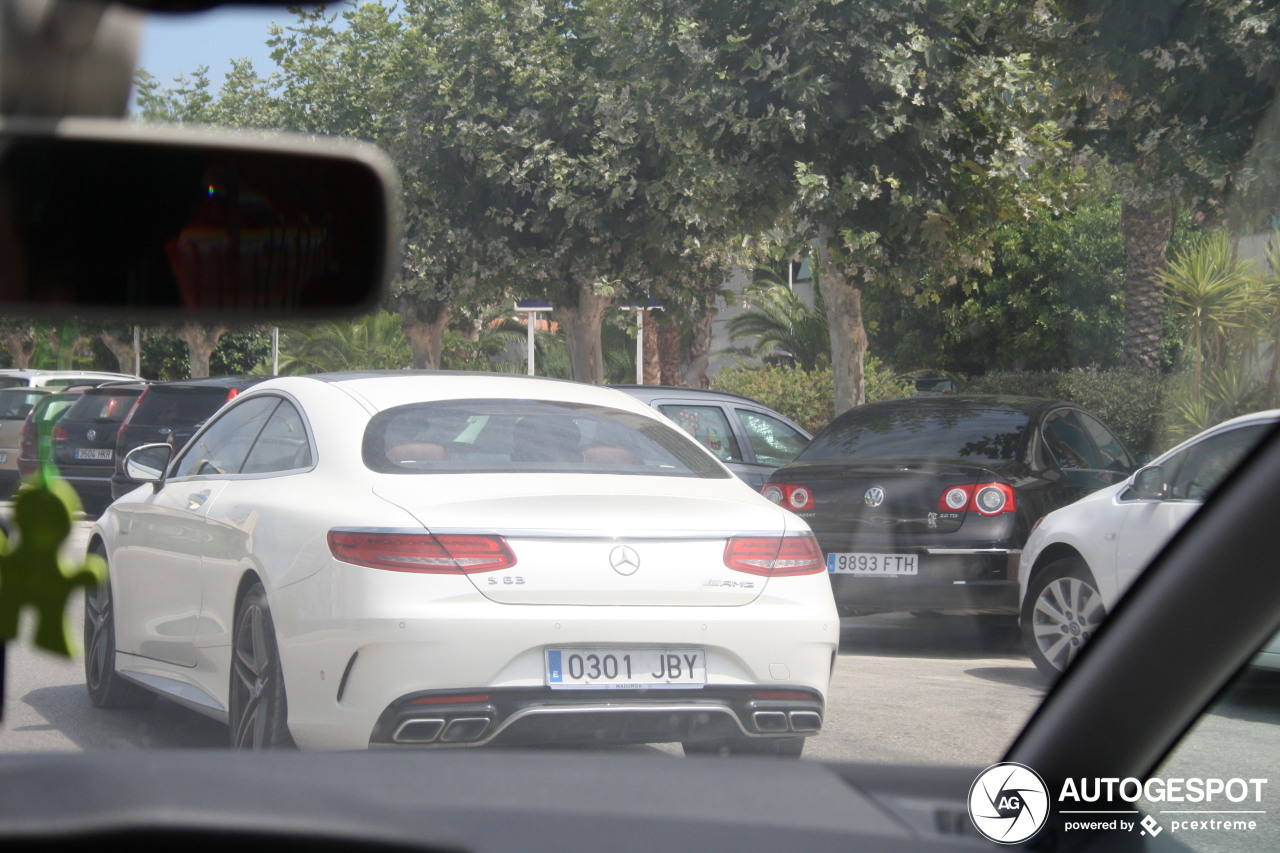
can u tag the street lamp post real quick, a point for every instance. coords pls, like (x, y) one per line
(640, 312)
(530, 308)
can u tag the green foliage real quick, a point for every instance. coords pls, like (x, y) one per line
(240, 352)
(805, 396)
(1126, 80)
(1133, 403)
(1229, 314)
(784, 329)
(371, 342)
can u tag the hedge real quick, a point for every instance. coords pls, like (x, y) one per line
(1131, 402)
(805, 396)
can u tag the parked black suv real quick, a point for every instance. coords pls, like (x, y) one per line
(172, 412)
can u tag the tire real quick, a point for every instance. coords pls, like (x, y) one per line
(1063, 609)
(781, 747)
(107, 688)
(259, 713)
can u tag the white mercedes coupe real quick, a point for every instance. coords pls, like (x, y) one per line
(434, 559)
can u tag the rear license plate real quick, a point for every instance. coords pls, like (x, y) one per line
(873, 564)
(91, 453)
(625, 668)
(4, 457)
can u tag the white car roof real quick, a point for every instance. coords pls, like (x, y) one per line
(1267, 416)
(384, 389)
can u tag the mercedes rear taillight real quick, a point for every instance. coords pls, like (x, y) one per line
(441, 554)
(774, 556)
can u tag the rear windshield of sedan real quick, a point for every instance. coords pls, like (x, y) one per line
(523, 436)
(923, 432)
(100, 408)
(162, 406)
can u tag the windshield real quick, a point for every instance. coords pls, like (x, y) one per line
(1038, 238)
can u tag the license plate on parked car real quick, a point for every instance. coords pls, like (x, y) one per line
(4, 457)
(873, 564)
(91, 453)
(625, 668)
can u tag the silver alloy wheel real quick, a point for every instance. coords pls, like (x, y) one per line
(1067, 612)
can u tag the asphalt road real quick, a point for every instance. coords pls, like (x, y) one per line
(906, 690)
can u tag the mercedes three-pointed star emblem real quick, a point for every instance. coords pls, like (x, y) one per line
(625, 560)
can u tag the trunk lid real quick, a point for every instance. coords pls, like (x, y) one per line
(599, 540)
(883, 497)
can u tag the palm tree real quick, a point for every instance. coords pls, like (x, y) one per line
(372, 342)
(1211, 292)
(785, 329)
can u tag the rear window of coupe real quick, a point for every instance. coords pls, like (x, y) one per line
(527, 436)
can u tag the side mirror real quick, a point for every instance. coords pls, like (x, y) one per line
(106, 217)
(147, 463)
(1148, 484)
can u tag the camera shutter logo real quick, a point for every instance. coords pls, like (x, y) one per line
(1008, 803)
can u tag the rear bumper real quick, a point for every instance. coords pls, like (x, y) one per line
(953, 579)
(541, 716)
(356, 663)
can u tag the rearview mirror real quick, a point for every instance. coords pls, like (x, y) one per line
(103, 217)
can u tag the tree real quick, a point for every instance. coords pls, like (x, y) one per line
(1171, 96)
(373, 342)
(892, 132)
(1210, 291)
(785, 330)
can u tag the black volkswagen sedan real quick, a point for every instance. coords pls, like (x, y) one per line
(923, 504)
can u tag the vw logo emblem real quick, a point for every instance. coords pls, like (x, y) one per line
(92, 434)
(624, 560)
(874, 496)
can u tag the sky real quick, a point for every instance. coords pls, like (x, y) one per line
(178, 44)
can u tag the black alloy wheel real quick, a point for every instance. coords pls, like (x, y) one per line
(259, 712)
(107, 688)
